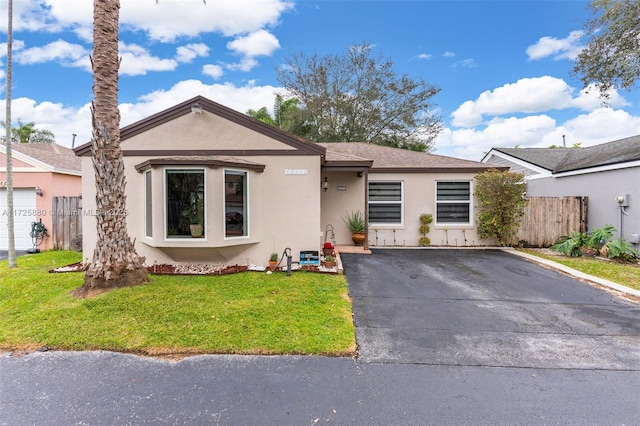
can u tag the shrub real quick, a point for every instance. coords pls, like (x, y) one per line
(425, 220)
(501, 196)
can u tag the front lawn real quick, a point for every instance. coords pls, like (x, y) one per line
(626, 274)
(245, 313)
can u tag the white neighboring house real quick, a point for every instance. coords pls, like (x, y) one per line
(608, 173)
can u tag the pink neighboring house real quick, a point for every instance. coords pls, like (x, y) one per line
(41, 171)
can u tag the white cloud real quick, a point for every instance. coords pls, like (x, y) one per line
(59, 50)
(539, 131)
(449, 55)
(565, 48)
(259, 43)
(66, 121)
(137, 60)
(424, 56)
(527, 95)
(188, 53)
(213, 71)
(465, 63)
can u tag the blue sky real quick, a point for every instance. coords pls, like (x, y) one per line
(503, 66)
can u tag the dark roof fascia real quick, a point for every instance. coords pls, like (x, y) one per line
(436, 169)
(347, 166)
(306, 147)
(210, 162)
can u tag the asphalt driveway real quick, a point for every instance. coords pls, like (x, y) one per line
(485, 308)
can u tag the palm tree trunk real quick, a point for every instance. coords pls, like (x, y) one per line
(9, 156)
(115, 262)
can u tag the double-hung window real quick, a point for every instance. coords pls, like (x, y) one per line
(385, 202)
(453, 203)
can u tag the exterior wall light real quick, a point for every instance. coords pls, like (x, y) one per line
(325, 184)
(38, 191)
(196, 108)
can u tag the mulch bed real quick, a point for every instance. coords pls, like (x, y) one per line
(188, 269)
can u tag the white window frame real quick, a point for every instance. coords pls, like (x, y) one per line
(469, 202)
(164, 204)
(401, 202)
(148, 204)
(246, 200)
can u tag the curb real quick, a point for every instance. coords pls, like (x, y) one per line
(576, 273)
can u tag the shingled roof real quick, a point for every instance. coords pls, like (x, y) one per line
(560, 160)
(389, 159)
(49, 155)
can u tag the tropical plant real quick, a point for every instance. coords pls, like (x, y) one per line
(619, 249)
(273, 257)
(598, 237)
(27, 133)
(195, 209)
(355, 221)
(287, 115)
(355, 97)
(501, 195)
(329, 258)
(571, 245)
(115, 262)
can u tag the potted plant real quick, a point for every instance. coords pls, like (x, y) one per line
(273, 260)
(355, 223)
(327, 248)
(194, 214)
(329, 261)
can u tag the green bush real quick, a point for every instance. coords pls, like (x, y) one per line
(425, 220)
(501, 196)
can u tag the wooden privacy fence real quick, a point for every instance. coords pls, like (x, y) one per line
(67, 223)
(546, 219)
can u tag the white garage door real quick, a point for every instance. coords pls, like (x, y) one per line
(24, 206)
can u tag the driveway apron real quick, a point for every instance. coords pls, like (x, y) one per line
(471, 307)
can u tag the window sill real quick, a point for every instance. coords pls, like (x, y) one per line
(199, 242)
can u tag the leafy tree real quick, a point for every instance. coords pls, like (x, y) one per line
(355, 97)
(27, 133)
(611, 58)
(502, 201)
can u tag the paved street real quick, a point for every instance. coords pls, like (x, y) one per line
(445, 340)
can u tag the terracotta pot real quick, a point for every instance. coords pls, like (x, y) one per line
(329, 264)
(358, 238)
(272, 264)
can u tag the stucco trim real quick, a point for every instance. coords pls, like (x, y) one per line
(213, 162)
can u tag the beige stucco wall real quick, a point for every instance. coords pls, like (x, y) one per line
(284, 208)
(346, 194)
(419, 197)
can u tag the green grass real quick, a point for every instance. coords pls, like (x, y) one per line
(626, 274)
(245, 313)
